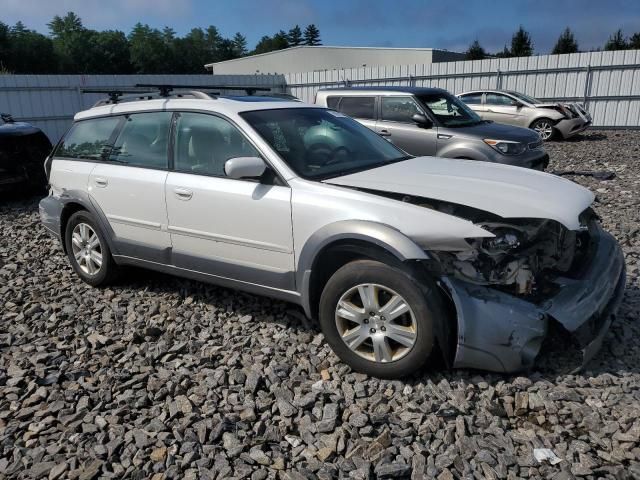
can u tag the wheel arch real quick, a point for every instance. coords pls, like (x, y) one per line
(337, 243)
(73, 202)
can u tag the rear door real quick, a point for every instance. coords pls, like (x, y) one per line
(474, 101)
(230, 228)
(397, 125)
(129, 186)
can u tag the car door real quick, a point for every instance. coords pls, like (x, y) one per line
(396, 124)
(503, 109)
(129, 186)
(230, 228)
(474, 101)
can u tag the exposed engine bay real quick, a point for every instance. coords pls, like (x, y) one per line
(524, 256)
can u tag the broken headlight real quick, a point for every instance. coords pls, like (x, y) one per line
(506, 147)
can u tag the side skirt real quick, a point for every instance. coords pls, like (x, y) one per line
(280, 294)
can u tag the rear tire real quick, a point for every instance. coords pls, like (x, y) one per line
(88, 250)
(544, 127)
(379, 319)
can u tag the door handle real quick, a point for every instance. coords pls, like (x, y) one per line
(442, 136)
(100, 182)
(384, 133)
(183, 193)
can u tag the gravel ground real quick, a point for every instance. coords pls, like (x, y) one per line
(160, 377)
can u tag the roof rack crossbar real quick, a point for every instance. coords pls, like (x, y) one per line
(166, 88)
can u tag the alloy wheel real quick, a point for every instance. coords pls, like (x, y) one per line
(545, 129)
(87, 249)
(376, 323)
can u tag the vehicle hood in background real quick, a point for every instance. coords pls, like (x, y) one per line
(510, 192)
(497, 131)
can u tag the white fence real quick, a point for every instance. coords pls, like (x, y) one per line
(608, 83)
(50, 101)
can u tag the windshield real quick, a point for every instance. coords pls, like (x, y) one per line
(318, 143)
(450, 111)
(526, 98)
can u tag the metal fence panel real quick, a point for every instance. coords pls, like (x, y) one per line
(50, 101)
(608, 83)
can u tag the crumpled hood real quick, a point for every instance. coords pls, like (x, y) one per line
(510, 192)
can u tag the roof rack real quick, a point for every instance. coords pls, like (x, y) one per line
(166, 89)
(149, 91)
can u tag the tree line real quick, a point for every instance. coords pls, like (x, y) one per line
(522, 45)
(72, 48)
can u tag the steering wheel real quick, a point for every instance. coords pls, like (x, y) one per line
(335, 155)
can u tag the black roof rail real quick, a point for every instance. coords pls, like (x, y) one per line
(165, 89)
(128, 94)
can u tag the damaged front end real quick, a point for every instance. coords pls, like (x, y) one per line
(508, 288)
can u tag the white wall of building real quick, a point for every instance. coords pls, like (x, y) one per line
(320, 58)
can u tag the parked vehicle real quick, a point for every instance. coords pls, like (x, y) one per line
(23, 148)
(392, 254)
(431, 121)
(513, 108)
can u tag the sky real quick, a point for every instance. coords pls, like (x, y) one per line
(447, 24)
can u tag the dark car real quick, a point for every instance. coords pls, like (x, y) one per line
(23, 149)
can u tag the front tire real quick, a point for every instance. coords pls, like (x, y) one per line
(544, 127)
(379, 319)
(88, 250)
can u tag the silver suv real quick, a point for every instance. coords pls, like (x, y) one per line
(393, 255)
(433, 122)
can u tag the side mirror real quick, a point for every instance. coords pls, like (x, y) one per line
(245, 167)
(422, 121)
(515, 103)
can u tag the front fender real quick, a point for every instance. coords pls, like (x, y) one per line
(381, 235)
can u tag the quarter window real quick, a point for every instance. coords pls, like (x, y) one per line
(205, 142)
(89, 139)
(143, 140)
(399, 109)
(358, 107)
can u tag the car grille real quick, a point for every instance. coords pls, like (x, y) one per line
(536, 144)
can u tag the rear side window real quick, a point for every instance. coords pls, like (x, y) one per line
(358, 107)
(472, 98)
(143, 140)
(89, 139)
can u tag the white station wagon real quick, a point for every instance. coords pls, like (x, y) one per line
(399, 258)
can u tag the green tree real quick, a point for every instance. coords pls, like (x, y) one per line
(616, 42)
(149, 49)
(312, 35)
(111, 48)
(279, 41)
(521, 45)
(566, 43)
(226, 50)
(475, 51)
(5, 46)
(30, 52)
(239, 45)
(295, 36)
(505, 53)
(73, 44)
(634, 41)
